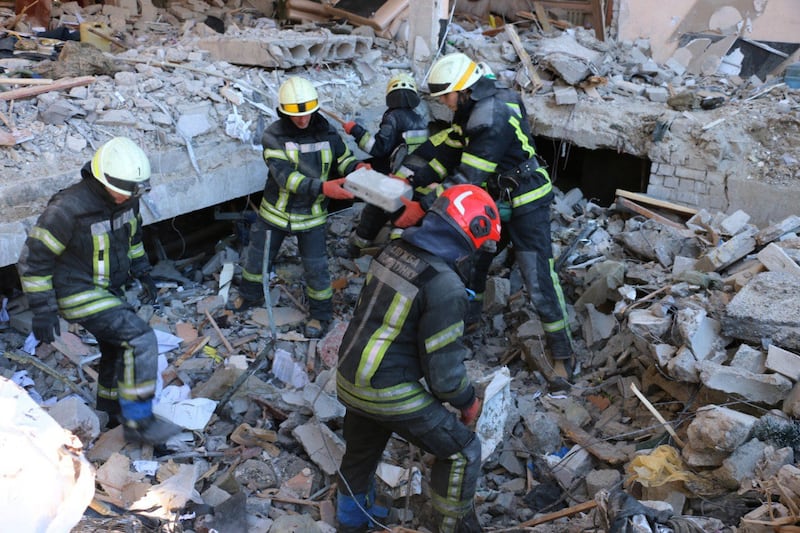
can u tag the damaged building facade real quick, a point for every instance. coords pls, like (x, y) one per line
(672, 130)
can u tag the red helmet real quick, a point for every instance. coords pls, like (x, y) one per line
(470, 209)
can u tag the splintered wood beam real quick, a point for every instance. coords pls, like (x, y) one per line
(64, 83)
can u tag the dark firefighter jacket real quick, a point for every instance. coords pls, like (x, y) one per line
(400, 125)
(299, 160)
(498, 142)
(82, 250)
(407, 325)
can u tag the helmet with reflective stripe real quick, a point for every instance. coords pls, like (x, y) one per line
(122, 166)
(298, 97)
(453, 72)
(402, 80)
(472, 211)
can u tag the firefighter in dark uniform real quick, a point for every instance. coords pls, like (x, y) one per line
(499, 154)
(407, 325)
(76, 260)
(402, 129)
(307, 160)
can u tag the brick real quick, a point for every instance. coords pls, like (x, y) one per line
(715, 178)
(690, 173)
(672, 183)
(666, 170)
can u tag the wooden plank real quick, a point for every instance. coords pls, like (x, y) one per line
(64, 83)
(541, 15)
(601, 449)
(549, 517)
(352, 17)
(633, 206)
(649, 200)
(25, 81)
(386, 14)
(527, 64)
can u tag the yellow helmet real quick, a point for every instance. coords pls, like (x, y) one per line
(453, 72)
(122, 166)
(401, 81)
(298, 97)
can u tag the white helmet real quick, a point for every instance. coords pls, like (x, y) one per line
(453, 72)
(402, 80)
(298, 97)
(122, 166)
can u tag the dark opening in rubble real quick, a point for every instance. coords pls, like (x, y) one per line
(597, 173)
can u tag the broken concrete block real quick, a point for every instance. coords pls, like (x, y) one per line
(766, 308)
(74, 415)
(742, 463)
(775, 231)
(323, 446)
(565, 95)
(734, 223)
(602, 280)
(767, 388)
(496, 295)
(704, 457)
(662, 353)
(791, 405)
(643, 323)
(575, 464)
(598, 480)
(784, 362)
(719, 428)
(683, 366)
(748, 358)
(256, 475)
(699, 331)
(776, 259)
(729, 252)
(597, 326)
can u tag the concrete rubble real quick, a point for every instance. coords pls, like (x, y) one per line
(688, 299)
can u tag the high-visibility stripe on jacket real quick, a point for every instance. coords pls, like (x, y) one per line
(299, 161)
(497, 141)
(407, 325)
(81, 251)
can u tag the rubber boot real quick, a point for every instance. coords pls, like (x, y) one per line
(315, 328)
(563, 357)
(357, 513)
(150, 430)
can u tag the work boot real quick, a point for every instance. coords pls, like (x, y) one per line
(240, 303)
(563, 357)
(150, 430)
(316, 328)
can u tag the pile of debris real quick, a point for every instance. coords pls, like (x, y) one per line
(683, 318)
(684, 370)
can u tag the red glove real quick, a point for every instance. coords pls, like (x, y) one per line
(364, 165)
(333, 189)
(412, 214)
(401, 178)
(348, 126)
(470, 413)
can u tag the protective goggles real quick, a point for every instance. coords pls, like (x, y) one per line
(134, 188)
(303, 107)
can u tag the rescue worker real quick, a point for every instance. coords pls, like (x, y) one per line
(499, 154)
(407, 325)
(76, 260)
(401, 130)
(307, 160)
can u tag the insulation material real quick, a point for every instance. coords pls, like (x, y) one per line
(46, 483)
(496, 405)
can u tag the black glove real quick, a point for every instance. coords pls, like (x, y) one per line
(46, 327)
(149, 290)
